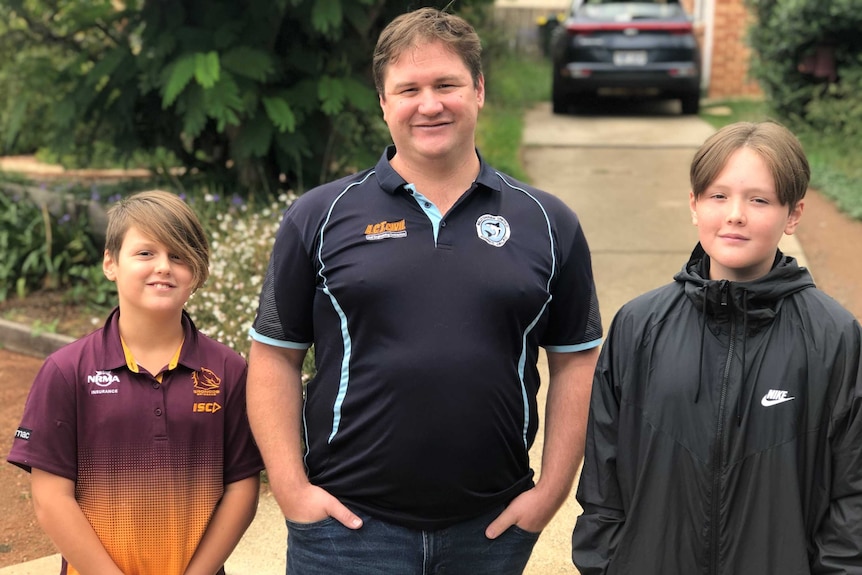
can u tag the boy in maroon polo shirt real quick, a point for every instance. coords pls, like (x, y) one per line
(136, 435)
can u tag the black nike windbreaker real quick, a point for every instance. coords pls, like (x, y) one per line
(725, 432)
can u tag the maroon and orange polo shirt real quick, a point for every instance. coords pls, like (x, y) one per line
(150, 454)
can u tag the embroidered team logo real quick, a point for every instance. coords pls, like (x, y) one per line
(386, 230)
(206, 382)
(493, 229)
(104, 381)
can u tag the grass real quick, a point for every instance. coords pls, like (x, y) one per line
(836, 168)
(836, 171)
(512, 86)
(723, 112)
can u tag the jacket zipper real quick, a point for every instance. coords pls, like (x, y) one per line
(718, 454)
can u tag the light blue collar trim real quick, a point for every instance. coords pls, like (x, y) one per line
(429, 208)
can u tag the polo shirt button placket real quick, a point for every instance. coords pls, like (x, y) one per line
(158, 412)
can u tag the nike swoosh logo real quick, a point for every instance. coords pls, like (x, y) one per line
(769, 402)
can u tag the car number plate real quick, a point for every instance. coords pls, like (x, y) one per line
(630, 58)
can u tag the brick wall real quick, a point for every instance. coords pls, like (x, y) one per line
(730, 52)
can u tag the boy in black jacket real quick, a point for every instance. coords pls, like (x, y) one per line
(725, 433)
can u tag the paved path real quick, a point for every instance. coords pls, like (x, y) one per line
(627, 178)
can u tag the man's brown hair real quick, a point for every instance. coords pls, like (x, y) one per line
(421, 26)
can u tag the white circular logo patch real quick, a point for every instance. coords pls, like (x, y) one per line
(493, 229)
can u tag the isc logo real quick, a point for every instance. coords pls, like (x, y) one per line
(205, 407)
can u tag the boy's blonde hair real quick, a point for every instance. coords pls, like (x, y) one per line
(780, 150)
(426, 25)
(165, 218)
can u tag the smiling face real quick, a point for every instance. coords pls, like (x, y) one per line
(740, 219)
(431, 103)
(150, 278)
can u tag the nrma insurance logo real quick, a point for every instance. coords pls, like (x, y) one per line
(103, 379)
(493, 229)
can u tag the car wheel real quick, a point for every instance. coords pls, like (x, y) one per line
(559, 104)
(690, 104)
(559, 98)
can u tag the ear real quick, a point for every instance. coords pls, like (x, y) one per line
(793, 218)
(108, 266)
(692, 206)
(480, 91)
(382, 99)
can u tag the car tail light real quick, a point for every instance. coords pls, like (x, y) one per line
(683, 72)
(574, 71)
(669, 27)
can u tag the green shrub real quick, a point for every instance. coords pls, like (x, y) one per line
(837, 107)
(247, 92)
(40, 249)
(90, 286)
(807, 59)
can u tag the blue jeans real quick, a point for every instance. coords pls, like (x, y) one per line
(379, 548)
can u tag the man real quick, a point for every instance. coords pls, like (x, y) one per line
(426, 285)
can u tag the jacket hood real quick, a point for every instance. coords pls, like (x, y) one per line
(751, 305)
(758, 301)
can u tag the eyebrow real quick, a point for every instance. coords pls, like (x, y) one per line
(450, 79)
(749, 189)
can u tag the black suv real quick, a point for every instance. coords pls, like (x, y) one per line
(637, 49)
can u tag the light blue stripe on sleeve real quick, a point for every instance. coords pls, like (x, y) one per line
(574, 348)
(277, 342)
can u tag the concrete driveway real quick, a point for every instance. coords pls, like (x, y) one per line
(626, 176)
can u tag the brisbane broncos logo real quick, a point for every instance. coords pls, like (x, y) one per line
(206, 382)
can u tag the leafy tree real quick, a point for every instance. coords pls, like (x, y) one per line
(809, 62)
(248, 92)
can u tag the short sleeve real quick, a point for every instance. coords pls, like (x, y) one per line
(574, 320)
(46, 438)
(241, 456)
(284, 315)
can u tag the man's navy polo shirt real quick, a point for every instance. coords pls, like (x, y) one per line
(149, 460)
(426, 331)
